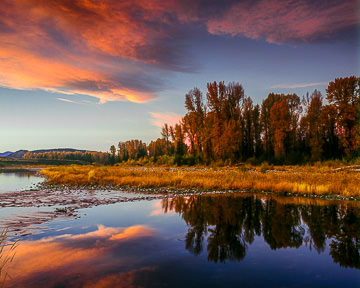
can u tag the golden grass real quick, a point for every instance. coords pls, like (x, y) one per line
(302, 180)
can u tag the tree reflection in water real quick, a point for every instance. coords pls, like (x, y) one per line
(229, 223)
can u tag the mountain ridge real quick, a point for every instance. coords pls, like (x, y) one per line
(20, 153)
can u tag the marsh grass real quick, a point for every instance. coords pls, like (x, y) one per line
(7, 254)
(303, 180)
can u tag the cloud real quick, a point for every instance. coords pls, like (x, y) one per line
(120, 50)
(281, 21)
(300, 85)
(67, 100)
(159, 119)
(107, 50)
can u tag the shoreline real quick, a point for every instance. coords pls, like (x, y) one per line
(314, 182)
(164, 192)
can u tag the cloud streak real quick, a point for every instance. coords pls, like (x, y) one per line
(300, 85)
(283, 21)
(67, 100)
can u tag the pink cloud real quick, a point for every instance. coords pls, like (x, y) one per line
(280, 21)
(159, 119)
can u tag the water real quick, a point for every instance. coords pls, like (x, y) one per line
(232, 240)
(18, 181)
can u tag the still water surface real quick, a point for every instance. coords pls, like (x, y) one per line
(231, 240)
(18, 181)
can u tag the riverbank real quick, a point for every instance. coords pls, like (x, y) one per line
(283, 180)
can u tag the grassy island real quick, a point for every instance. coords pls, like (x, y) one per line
(300, 180)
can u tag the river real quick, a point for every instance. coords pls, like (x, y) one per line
(222, 240)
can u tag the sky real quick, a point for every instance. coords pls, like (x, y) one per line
(87, 74)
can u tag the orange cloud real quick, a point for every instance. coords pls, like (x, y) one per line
(20, 69)
(116, 50)
(89, 47)
(159, 119)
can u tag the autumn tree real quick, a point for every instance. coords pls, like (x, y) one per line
(224, 113)
(165, 133)
(342, 95)
(215, 95)
(295, 109)
(157, 148)
(136, 149)
(247, 128)
(226, 126)
(178, 137)
(122, 152)
(257, 128)
(193, 121)
(112, 154)
(268, 133)
(280, 123)
(284, 137)
(311, 125)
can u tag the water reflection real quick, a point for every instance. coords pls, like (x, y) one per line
(81, 260)
(228, 225)
(20, 180)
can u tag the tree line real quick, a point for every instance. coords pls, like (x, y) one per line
(227, 127)
(88, 156)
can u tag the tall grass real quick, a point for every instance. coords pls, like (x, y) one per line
(284, 179)
(7, 254)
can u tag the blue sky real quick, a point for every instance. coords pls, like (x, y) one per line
(88, 74)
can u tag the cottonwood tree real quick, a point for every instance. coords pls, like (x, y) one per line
(280, 123)
(311, 125)
(342, 95)
(193, 121)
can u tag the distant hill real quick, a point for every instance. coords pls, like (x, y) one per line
(17, 154)
(5, 154)
(20, 153)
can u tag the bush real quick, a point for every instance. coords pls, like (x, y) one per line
(252, 161)
(165, 160)
(189, 160)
